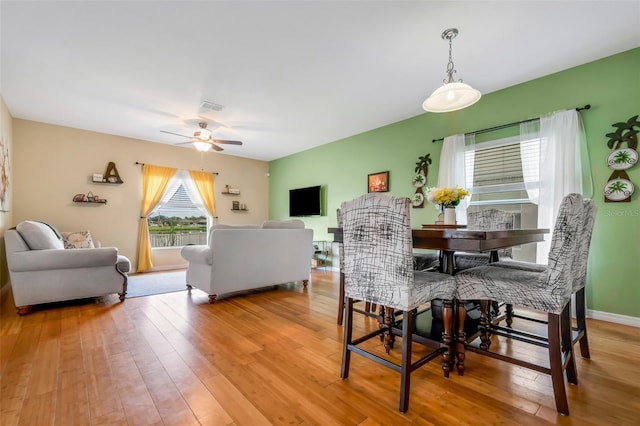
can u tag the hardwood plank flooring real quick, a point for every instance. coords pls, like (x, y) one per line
(273, 357)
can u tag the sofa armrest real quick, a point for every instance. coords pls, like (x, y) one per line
(39, 260)
(197, 254)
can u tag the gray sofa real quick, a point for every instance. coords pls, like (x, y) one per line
(240, 258)
(41, 270)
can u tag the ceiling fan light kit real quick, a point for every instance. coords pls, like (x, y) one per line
(203, 134)
(201, 146)
(202, 140)
(453, 95)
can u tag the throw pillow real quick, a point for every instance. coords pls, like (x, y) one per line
(39, 236)
(77, 239)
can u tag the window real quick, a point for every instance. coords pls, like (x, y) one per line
(178, 220)
(496, 172)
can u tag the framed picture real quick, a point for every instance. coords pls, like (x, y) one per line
(378, 182)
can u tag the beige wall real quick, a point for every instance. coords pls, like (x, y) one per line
(6, 218)
(53, 163)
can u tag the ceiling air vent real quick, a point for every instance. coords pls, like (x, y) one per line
(211, 105)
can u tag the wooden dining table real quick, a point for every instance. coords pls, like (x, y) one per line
(451, 239)
(448, 240)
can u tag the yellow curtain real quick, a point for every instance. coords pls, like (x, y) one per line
(154, 183)
(204, 183)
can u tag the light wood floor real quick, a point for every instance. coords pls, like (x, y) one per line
(272, 357)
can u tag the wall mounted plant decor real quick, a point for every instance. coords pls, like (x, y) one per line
(619, 187)
(420, 180)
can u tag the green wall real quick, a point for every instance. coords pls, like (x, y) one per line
(612, 87)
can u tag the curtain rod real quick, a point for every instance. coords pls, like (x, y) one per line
(142, 164)
(504, 126)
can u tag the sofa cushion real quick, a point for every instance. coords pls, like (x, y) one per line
(40, 236)
(77, 239)
(224, 226)
(283, 224)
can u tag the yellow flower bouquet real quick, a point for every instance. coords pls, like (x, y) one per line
(446, 197)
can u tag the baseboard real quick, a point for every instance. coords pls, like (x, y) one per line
(615, 318)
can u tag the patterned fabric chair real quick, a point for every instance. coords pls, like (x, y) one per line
(378, 268)
(483, 220)
(580, 277)
(548, 291)
(370, 308)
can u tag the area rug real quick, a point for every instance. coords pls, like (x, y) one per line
(150, 283)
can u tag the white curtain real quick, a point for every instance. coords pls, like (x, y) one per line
(560, 167)
(530, 155)
(456, 168)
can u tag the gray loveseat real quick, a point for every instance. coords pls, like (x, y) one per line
(42, 270)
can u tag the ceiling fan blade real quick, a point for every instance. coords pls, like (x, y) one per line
(227, 142)
(183, 143)
(216, 147)
(176, 134)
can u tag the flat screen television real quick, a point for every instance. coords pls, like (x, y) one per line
(304, 201)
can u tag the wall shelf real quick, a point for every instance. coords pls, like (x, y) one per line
(100, 182)
(239, 210)
(229, 193)
(92, 202)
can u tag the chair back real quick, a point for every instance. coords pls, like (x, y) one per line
(490, 219)
(340, 245)
(589, 219)
(563, 254)
(377, 243)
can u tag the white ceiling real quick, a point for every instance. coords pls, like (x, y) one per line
(291, 75)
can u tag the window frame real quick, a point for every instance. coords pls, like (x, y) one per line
(181, 178)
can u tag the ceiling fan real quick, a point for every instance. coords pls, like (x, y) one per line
(202, 140)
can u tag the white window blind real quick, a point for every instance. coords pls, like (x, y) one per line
(177, 203)
(498, 167)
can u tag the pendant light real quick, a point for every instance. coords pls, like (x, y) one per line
(453, 95)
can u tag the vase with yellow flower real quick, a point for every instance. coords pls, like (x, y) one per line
(447, 198)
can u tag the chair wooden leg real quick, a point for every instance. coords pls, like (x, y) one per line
(581, 320)
(447, 336)
(461, 337)
(389, 337)
(341, 302)
(555, 362)
(347, 339)
(485, 335)
(567, 346)
(405, 369)
(509, 311)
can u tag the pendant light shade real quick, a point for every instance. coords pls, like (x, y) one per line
(453, 95)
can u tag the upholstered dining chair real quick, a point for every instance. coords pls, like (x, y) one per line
(483, 220)
(378, 268)
(369, 308)
(579, 277)
(547, 291)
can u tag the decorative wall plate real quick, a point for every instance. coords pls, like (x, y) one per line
(418, 198)
(622, 159)
(419, 180)
(618, 189)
